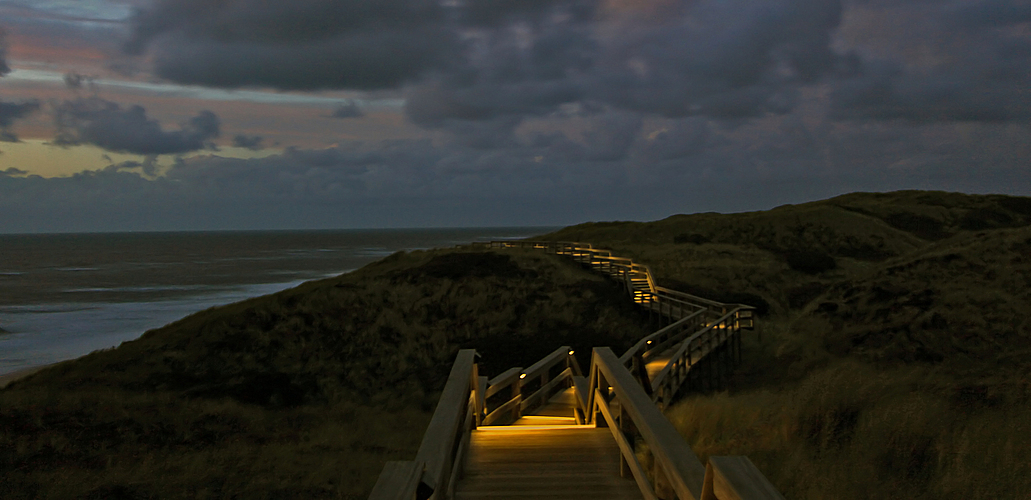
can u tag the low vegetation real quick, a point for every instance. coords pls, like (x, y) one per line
(301, 394)
(895, 359)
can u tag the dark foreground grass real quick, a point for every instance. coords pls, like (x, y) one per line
(896, 352)
(302, 394)
(894, 360)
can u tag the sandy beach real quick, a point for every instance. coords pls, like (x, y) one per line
(7, 378)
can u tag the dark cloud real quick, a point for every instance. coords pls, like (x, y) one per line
(105, 124)
(721, 59)
(349, 109)
(11, 171)
(500, 12)
(677, 139)
(479, 60)
(610, 166)
(304, 44)
(726, 59)
(734, 60)
(9, 113)
(253, 142)
(148, 167)
(4, 68)
(975, 67)
(76, 81)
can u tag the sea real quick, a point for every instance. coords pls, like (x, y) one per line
(66, 295)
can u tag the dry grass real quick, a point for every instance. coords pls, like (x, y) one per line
(896, 366)
(903, 371)
(301, 394)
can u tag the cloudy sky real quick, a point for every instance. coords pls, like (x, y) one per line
(119, 115)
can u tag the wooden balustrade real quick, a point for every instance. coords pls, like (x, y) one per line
(539, 376)
(664, 338)
(736, 478)
(611, 398)
(443, 447)
(676, 468)
(720, 334)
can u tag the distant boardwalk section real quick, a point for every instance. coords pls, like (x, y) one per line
(552, 431)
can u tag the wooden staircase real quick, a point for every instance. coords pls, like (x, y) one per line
(544, 455)
(549, 461)
(548, 431)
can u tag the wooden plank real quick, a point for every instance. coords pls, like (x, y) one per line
(463, 448)
(545, 390)
(577, 462)
(481, 399)
(545, 364)
(502, 381)
(680, 354)
(503, 410)
(643, 343)
(398, 481)
(661, 346)
(624, 447)
(736, 478)
(581, 386)
(686, 472)
(439, 440)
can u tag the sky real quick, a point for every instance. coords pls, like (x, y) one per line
(151, 115)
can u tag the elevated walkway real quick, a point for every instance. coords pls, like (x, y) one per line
(556, 461)
(548, 431)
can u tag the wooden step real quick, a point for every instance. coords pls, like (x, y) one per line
(559, 462)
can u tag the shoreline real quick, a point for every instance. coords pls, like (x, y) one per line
(7, 378)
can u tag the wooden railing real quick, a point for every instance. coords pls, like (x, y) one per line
(619, 403)
(436, 467)
(723, 334)
(612, 398)
(540, 380)
(638, 279)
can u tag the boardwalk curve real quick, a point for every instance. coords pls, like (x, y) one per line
(552, 431)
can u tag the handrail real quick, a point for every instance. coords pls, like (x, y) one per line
(579, 249)
(517, 378)
(506, 378)
(612, 397)
(660, 339)
(736, 478)
(440, 444)
(662, 392)
(443, 445)
(676, 466)
(540, 368)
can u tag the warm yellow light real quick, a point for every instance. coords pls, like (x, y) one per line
(522, 375)
(649, 342)
(571, 352)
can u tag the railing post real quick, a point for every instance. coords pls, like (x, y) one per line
(663, 489)
(517, 391)
(624, 428)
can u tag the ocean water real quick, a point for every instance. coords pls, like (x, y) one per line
(66, 295)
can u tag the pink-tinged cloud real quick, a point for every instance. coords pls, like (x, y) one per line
(109, 126)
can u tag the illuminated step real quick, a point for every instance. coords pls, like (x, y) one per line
(559, 462)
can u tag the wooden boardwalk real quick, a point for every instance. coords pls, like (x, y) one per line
(558, 461)
(549, 431)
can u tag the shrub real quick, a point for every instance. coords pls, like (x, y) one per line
(920, 226)
(694, 239)
(809, 261)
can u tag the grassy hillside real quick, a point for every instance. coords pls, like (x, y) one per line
(896, 354)
(894, 360)
(301, 394)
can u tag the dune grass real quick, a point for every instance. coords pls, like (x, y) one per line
(894, 360)
(302, 394)
(895, 366)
